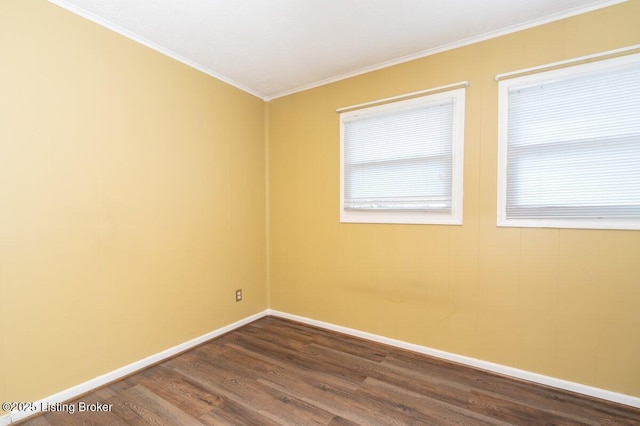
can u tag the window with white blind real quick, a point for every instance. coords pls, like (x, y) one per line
(569, 147)
(402, 162)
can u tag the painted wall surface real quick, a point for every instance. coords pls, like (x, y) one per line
(131, 201)
(563, 303)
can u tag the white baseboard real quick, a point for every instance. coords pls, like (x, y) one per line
(97, 382)
(114, 375)
(5, 419)
(472, 362)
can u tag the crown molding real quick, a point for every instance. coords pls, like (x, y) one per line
(158, 48)
(450, 46)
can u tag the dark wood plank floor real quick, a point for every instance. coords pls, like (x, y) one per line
(278, 372)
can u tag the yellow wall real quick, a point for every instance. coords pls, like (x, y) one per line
(563, 303)
(131, 201)
(132, 205)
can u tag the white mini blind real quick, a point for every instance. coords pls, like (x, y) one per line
(573, 142)
(400, 158)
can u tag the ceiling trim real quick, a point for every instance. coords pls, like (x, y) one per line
(418, 55)
(464, 42)
(130, 35)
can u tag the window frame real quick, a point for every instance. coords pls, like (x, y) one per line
(413, 217)
(504, 87)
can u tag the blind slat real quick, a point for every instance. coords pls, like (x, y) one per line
(400, 159)
(573, 144)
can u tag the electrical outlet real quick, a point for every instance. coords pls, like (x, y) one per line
(238, 295)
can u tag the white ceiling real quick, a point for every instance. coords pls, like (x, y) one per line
(271, 48)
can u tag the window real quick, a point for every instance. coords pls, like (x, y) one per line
(402, 162)
(569, 147)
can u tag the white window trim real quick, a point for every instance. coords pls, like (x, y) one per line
(414, 217)
(570, 223)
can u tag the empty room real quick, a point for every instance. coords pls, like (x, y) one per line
(319, 212)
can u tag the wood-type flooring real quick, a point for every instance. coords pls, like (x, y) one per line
(278, 372)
